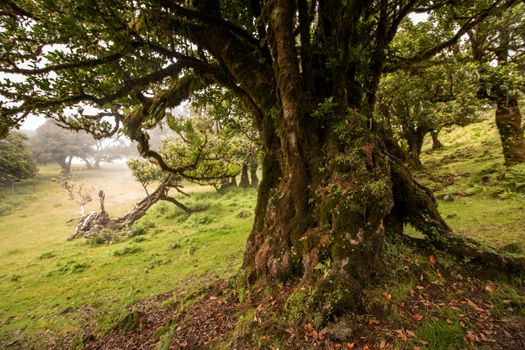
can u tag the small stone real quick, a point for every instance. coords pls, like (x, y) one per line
(448, 198)
(338, 331)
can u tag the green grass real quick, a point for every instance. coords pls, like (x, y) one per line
(441, 335)
(487, 206)
(52, 285)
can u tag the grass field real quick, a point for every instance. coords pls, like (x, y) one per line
(50, 286)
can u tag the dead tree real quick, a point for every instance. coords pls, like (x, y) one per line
(91, 224)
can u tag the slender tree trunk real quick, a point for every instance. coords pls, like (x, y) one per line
(68, 165)
(508, 120)
(65, 165)
(244, 182)
(254, 180)
(88, 163)
(436, 144)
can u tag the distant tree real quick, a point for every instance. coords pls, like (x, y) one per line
(52, 143)
(420, 101)
(16, 160)
(107, 151)
(235, 122)
(498, 47)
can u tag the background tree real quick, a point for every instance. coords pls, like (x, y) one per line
(107, 151)
(332, 188)
(498, 48)
(16, 160)
(52, 143)
(425, 100)
(236, 123)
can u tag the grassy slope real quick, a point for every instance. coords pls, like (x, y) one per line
(50, 284)
(470, 169)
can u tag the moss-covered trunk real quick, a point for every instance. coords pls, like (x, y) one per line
(508, 120)
(322, 226)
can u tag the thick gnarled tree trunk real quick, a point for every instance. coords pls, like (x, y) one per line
(508, 120)
(324, 194)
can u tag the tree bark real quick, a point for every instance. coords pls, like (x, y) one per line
(436, 144)
(508, 121)
(254, 180)
(324, 195)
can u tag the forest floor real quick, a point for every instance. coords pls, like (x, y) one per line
(174, 286)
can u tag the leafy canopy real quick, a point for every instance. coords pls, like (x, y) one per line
(16, 159)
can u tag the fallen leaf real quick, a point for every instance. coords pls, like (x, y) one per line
(432, 260)
(417, 317)
(373, 321)
(401, 334)
(490, 288)
(471, 337)
(411, 334)
(367, 347)
(338, 346)
(350, 345)
(474, 306)
(387, 295)
(382, 344)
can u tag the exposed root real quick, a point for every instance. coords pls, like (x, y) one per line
(416, 205)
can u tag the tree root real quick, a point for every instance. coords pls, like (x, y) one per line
(416, 205)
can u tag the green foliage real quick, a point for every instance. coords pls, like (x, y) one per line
(298, 305)
(16, 159)
(324, 109)
(145, 172)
